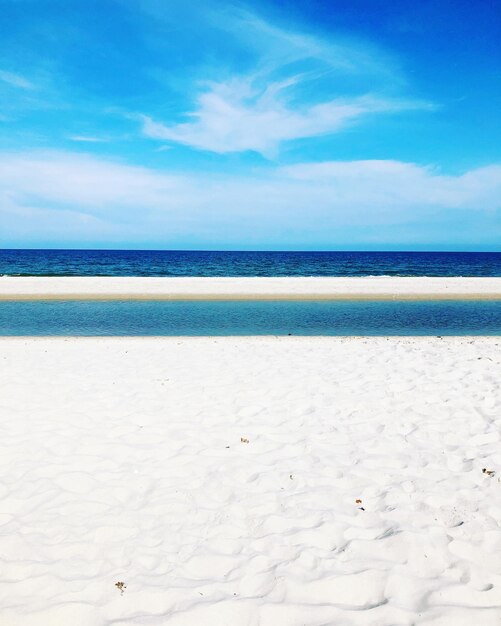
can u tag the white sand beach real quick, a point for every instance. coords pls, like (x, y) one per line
(268, 288)
(250, 481)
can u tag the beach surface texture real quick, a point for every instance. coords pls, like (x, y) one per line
(250, 481)
(227, 288)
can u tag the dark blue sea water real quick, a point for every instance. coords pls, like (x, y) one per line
(251, 318)
(192, 263)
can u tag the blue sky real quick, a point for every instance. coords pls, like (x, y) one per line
(267, 125)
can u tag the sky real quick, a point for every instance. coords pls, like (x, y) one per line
(273, 125)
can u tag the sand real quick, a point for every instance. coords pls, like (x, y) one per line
(226, 288)
(250, 481)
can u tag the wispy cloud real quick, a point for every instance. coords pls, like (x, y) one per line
(15, 80)
(281, 47)
(295, 89)
(87, 139)
(323, 202)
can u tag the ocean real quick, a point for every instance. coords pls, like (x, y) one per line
(205, 263)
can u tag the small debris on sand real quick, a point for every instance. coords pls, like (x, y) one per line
(121, 586)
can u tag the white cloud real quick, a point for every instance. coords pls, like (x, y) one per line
(295, 89)
(100, 200)
(394, 184)
(69, 180)
(231, 118)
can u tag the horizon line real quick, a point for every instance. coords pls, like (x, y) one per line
(249, 250)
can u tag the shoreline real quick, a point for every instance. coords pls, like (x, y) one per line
(245, 288)
(257, 338)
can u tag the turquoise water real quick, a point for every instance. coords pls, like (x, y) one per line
(214, 263)
(250, 318)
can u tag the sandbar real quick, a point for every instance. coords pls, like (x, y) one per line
(245, 288)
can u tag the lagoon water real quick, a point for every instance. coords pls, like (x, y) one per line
(213, 263)
(223, 318)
